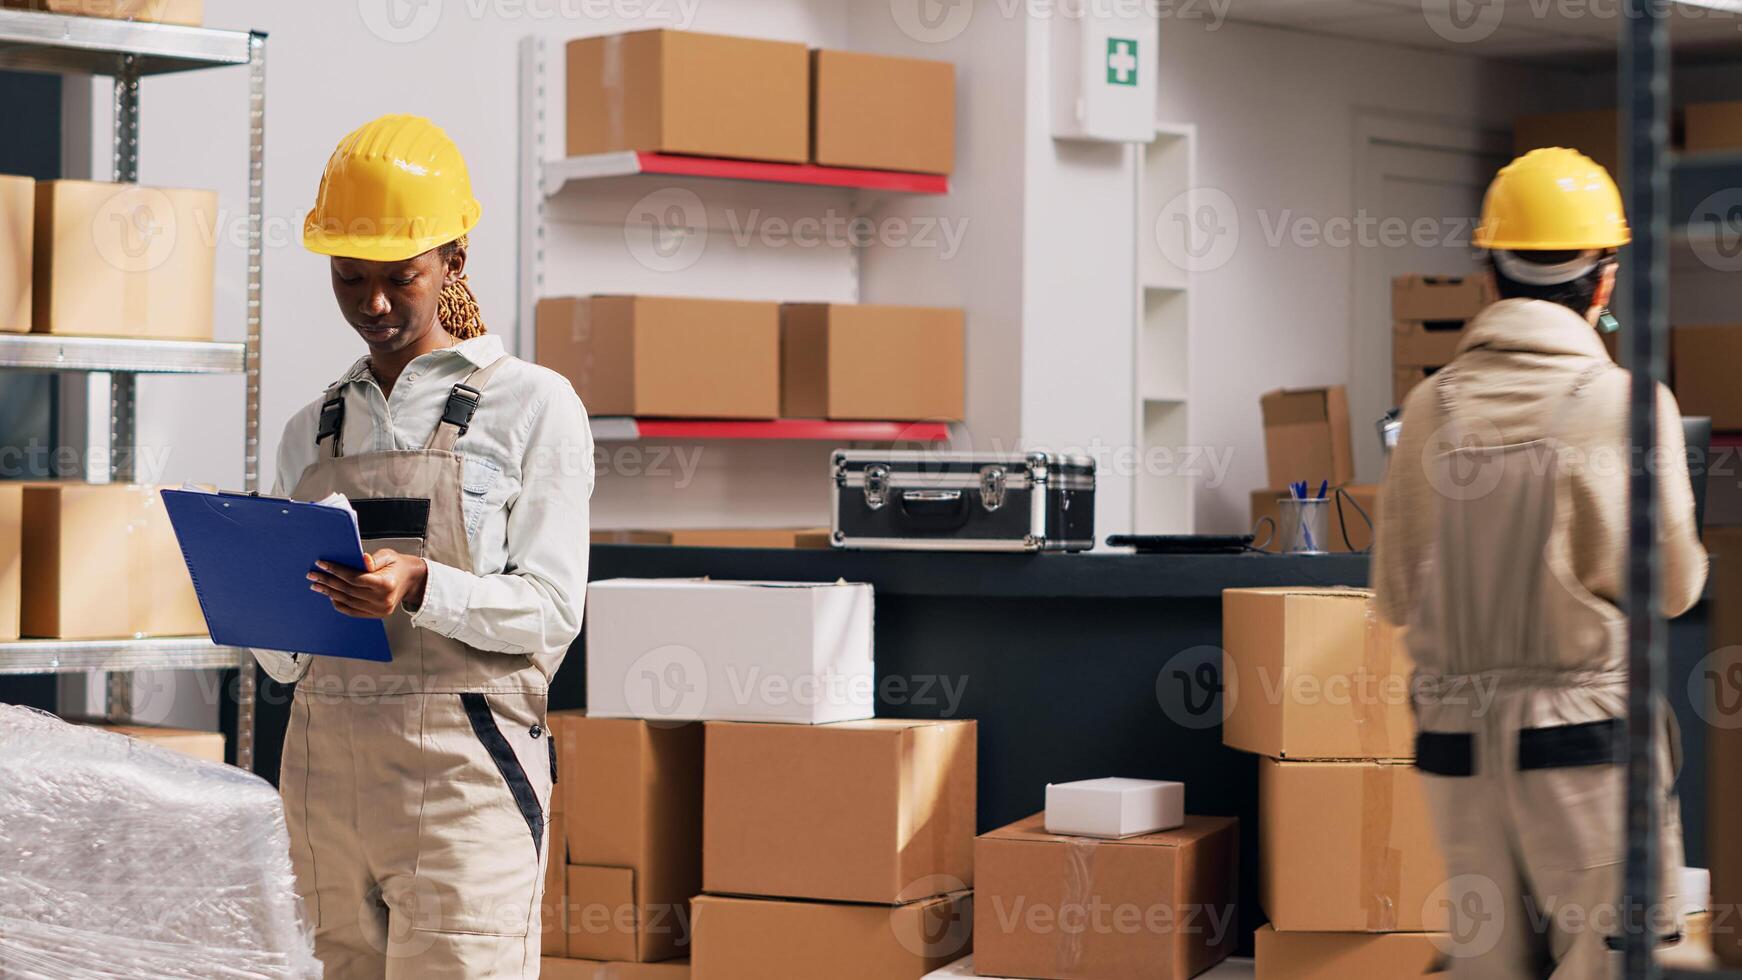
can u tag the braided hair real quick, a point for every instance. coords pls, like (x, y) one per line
(457, 309)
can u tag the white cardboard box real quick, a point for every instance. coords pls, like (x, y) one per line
(702, 650)
(1114, 807)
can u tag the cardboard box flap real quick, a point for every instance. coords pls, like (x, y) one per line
(1033, 829)
(603, 920)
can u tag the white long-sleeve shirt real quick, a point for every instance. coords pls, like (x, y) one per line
(527, 479)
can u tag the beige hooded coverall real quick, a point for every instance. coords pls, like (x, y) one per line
(416, 790)
(1501, 545)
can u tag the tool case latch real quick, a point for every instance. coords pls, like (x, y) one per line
(992, 487)
(876, 486)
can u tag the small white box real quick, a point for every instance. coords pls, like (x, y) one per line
(701, 650)
(1114, 807)
(963, 967)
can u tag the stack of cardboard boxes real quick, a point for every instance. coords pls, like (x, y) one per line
(1319, 686)
(1158, 904)
(82, 561)
(665, 357)
(677, 92)
(86, 258)
(185, 12)
(729, 748)
(665, 91)
(1307, 437)
(625, 848)
(1428, 314)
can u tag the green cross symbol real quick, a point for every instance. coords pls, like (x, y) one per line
(1121, 61)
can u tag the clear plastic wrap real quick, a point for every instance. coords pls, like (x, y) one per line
(123, 859)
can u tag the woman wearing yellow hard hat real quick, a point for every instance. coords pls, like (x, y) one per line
(416, 790)
(1501, 544)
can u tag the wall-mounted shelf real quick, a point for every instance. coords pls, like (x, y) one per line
(1166, 169)
(559, 173)
(48, 352)
(83, 656)
(620, 429)
(97, 45)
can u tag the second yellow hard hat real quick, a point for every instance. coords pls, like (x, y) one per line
(1552, 199)
(395, 188)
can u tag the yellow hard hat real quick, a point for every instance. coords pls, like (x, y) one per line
(395, 188)
(1553, 199)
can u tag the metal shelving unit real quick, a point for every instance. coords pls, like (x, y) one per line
(128, 51)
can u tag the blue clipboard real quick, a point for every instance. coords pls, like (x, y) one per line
(249, 557)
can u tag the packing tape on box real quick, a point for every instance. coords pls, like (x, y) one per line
(1372, 714)
(611, 80)
(1381, 864)
(1079, 892)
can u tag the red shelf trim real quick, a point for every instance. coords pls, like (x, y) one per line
(794, 429)
(792, 173)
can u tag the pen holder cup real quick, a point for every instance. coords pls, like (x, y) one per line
(1302, 526)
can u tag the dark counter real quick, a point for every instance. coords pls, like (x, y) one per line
(1075, 666)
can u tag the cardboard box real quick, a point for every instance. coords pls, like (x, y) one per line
(1723, 712)
(1314, 673)
(11, 558)
(1341, 955)
(17, 247)
(1596, 133)
(1713, 126)
(772, 939)
(883, 113)
(1114, 807)
(1404, 380)
(1161, 905)
(1346, 847)
(664, 91)
(1358, 532)
(186, 12)
(872, 362)
(208, 746)
(100, 561)
(697, 649)
(632, 802)
(552, 968)
(123, 260)
(721, 537)
(1440, 297)
(1703, 360)
(1306, 436)
(663, 356)
(1425, 343)
(861, 811)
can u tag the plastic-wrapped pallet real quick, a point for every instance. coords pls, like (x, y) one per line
(123, 859)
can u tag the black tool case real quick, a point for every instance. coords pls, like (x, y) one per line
(940, 501)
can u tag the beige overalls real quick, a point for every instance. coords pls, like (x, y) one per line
(415, 790)
(1521, 698)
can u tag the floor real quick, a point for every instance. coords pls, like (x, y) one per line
(1236, 969)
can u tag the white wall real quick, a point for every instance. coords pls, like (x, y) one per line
(1275, 111)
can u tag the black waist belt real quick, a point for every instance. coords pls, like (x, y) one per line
(1592, 743)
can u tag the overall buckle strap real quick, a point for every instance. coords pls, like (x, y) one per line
(332, 422)
(462, 405)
